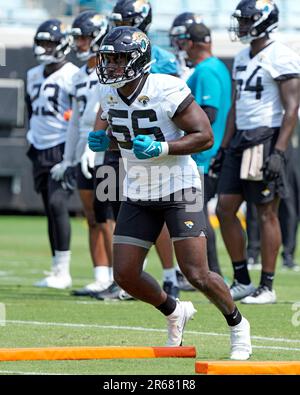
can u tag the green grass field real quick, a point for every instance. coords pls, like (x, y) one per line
(42, 317)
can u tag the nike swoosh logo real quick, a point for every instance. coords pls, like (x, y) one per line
(150, 149)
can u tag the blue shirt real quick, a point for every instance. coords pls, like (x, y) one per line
(210, 84)
(165, 61)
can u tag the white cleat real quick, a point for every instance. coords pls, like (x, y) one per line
(239, 291)
(262, 295)
(92, 288)
(176, 322)
(55, 281)
(241, 348)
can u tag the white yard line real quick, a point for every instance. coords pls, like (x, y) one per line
(142, 329)
(277, 348)
(31, 373)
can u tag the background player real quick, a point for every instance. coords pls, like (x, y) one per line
(88, 30)
(262, 118)
(49, 87)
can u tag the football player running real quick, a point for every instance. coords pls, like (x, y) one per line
(156, 136)
(88, 30)
(259, 128)
(139, 14)
(49, 87)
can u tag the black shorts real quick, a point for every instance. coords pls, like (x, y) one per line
(140, 222)
(257, 192)
(108, 209)
(43, 161)
(210, 188)
(82, 181)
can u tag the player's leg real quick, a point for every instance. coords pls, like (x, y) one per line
(253, 237)
(50, 227)
(270, 236)
(187, 228)
(210, 188)
(230, 197)
(40, 174)
(59, 213)
(131, 244)
(43, 160)
(164, 250)
(288, 212)
(288, 219)
(101, 265)
(234, 240)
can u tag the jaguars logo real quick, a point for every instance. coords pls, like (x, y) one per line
(264, 5)
(97, 19)
(111, 100)
(141, 39)
(142, 6)
(144, 100)
(189, 224)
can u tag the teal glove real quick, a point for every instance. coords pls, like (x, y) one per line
(144, 147)
(98, 141)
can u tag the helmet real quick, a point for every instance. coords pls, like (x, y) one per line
(188, 26)
(89, 24)
(125, 54)
(51, 42)
(253, 19)
(137, 13)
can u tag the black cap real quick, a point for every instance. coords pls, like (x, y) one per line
(199, 33)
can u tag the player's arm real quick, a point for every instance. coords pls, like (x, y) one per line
(99, 140)
(290, 98)
(72, 137)
(230, 123)
(217, 161)
(198, 133)
(211, 113)
(100, 124)
(28, 106)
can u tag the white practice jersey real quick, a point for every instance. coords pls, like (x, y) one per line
(149, 111)
(86, 93)
(50, 99)
(258, 100)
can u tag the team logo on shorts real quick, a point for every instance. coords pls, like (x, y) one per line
(189, 224)
(266, 192)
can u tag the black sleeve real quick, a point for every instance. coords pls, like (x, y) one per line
(211, 112)
(183, 105)
(28, 105)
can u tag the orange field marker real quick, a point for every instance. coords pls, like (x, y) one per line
(248, 367)
(60, 353)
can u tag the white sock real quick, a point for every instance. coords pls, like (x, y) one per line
(111, 274)
(170, 275)
(53, 263)
(102, 274)
(62, 261)
(176, 312)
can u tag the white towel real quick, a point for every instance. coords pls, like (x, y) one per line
(252, 162)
